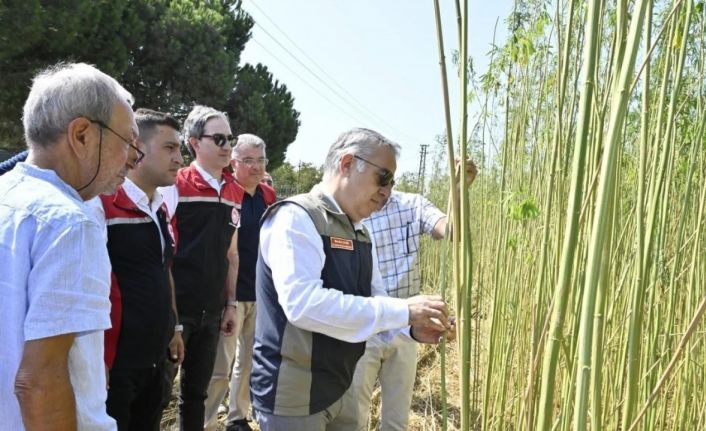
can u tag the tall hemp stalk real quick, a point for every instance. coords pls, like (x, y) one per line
(635, 322)
(462, 238)
(561, 292)
(453, 208)
(606, 190)
(589, 286)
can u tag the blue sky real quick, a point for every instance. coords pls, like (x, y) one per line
(377, 64)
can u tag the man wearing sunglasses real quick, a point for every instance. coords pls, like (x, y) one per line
(205, 202)
(248, 162)
(397, 227)
(56, 272)
(141, 246)
(320, 296)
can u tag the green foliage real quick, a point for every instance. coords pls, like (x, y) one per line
(185, 52)
(35, 34)
(408, 182)
(289, 181)
(525, 209)
(263, 106)
(170, 54)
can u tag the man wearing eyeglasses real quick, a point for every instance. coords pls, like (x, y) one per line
(248, 162)
(205, 202)
(320, 296)
(56, 272)
(397, 227)
(141, 246)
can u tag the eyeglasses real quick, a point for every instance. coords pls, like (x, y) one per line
(385, 178)
(251, 163)
(221, 140)
(102, 125)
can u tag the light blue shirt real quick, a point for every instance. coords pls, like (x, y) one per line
(55, 279)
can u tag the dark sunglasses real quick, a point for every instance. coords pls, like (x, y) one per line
(385, 178)
(221, 140)
(102, 125)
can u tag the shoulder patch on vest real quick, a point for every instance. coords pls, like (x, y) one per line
(345, 244)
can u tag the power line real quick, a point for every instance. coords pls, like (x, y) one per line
(347, 99)
(318, 78)
(350, 97)
(316, 90)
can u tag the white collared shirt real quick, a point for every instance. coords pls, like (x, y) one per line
(209, 178)
(170, 194)
(293, 249)
(140, 199)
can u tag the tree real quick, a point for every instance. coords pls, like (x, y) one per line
(35, 34)
(265, 108)
(187, 53)
(169, 53)
(408, 182)
(289, 181)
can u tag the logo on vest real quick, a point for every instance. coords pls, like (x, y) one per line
(345, 244)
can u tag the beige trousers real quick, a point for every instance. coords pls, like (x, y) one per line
(394, 362)
(231, 371)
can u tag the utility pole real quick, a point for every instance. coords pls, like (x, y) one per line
(299, 175)
(422, 168)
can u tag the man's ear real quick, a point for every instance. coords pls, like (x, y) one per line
(346, 164)
(194, 142)
(79, 135)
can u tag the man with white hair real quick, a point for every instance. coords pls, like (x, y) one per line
(320, 295)
(80, 131)
(248, 161)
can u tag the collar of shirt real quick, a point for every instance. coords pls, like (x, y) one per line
(209, 178)
(139, 197)
(394, 197)
(49, 176)
(257, 192)
(356, 226)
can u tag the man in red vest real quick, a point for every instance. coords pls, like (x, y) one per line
(140, 246)
(205, 202)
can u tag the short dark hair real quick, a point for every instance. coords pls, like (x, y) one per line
(147, 121)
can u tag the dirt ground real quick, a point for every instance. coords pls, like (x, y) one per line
(426, 403)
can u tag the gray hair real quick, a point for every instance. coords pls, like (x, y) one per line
(249, 140)
(195, 123)
(64, 92)
(362, 142)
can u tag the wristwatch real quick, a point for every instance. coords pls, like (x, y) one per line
(232, 302)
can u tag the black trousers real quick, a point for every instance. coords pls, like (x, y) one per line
(135, 398)
(200, 342)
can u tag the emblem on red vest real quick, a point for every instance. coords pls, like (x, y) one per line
(235, 218)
